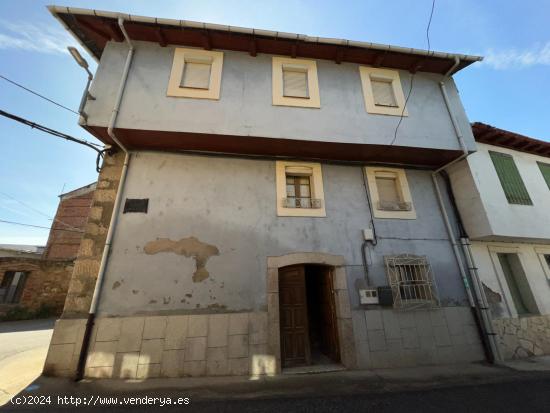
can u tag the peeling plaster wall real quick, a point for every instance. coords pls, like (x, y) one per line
(229, 204)
(245, 105)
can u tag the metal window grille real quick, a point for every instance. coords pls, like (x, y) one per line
(510, 179)
(411, 280)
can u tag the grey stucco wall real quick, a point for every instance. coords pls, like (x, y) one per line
(231, 203)
(245, 106)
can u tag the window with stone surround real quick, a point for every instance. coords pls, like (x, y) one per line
(299, 189)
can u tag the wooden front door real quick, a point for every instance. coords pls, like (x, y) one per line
(329, 328)
(295, 349)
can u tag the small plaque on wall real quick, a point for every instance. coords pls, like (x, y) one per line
(136, 205)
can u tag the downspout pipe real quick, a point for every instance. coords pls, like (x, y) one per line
(114, 217)
(475, 296)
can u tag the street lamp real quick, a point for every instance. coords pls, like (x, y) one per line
(84, 64)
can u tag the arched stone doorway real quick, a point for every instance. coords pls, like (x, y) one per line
(341, 300)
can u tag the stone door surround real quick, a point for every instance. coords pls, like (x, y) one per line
(342, 302)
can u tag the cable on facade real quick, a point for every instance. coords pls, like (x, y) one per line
(94, 146)
(413, 74)
(37, 226)
(39, 212)
(38, 94)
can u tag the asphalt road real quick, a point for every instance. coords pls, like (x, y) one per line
(23, 349)
(528, 394)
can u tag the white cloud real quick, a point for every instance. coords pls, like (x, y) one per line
(34, 37)
(517, 58)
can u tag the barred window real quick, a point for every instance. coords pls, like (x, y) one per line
(411, 281)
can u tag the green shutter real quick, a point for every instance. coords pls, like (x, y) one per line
(545, 170)
(510, 179)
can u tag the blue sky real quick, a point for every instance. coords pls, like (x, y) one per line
(511, 89)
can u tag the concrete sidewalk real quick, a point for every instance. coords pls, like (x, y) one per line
(301, 385)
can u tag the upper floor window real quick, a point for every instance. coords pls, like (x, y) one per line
(295, 82)
(382, 91)
(545, 171)
(299, 189)
(510, 179)
(196, 74)
(390, 194)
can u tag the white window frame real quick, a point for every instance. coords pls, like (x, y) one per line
(316, 189)
(181, 55)
(403, 186)
(392, 76)
(310, 67)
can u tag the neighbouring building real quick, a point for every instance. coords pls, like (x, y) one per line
(33, 277)
(503, 195)
(271, 215)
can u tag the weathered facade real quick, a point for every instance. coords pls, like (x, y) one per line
(41, 280)
(503, 194)
(248, 254)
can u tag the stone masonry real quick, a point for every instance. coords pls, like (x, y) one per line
(523, 337)
(87, 262)
(46, 283)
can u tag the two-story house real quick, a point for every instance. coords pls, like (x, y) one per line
(503, 195)
(271, 201)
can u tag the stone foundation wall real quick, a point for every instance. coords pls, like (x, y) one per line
(390, 338)
(165, 346)
(47, 282)
(523, 337)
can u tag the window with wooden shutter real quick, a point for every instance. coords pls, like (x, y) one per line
(382, 91)
(295, 83)
(196, 75)
(510, 179)
(390, 193)
(545, 171)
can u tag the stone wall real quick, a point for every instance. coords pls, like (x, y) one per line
(523, 337)
(165, 346)
(46, 283)
(391, 338)
(86, 268)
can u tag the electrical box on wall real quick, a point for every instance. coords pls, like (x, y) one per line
(369, 296)
(368, 234)
(385, 295)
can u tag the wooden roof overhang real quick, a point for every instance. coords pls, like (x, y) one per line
(94, 28)
(499, 137)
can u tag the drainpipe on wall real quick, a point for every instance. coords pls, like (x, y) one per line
(476, 298)
(114, 217)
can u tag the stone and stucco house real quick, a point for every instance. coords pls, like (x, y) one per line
(503, 195)
(259, 210)
(39, 277)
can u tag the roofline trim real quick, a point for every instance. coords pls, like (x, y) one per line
(54, 10)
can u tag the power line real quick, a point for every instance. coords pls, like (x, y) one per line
(36, 226)
(38, 94)
(54, 132)
(38, 211)
(413, 74)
